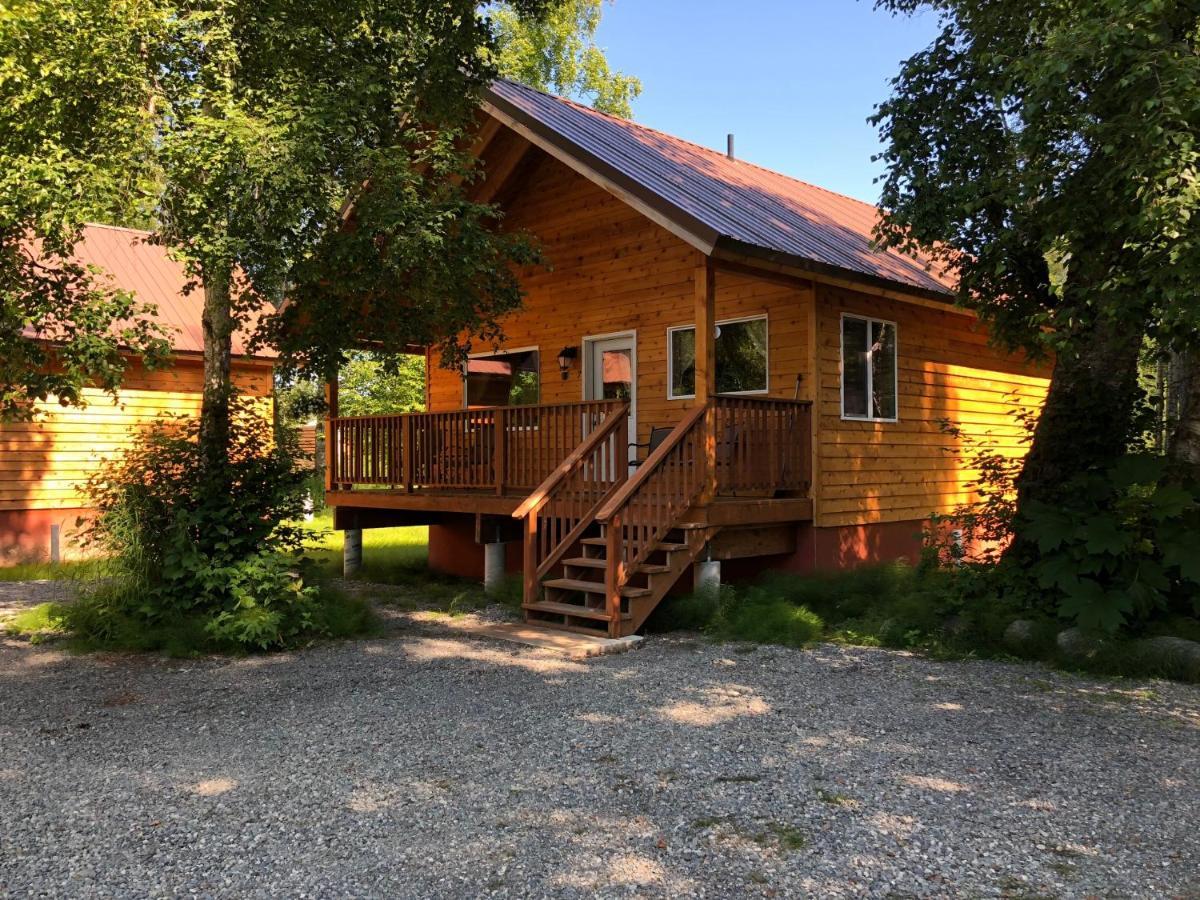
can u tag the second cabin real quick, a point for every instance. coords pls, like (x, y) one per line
(716, 366)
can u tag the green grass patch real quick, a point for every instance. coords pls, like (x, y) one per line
(945, 614)
(46, 620)
(109, 617)
(45, 571)
(390, 555)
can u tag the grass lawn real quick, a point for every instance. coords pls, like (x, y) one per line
(45, 571)
(390, 555)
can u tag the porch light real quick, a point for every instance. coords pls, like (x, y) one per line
(566, 358)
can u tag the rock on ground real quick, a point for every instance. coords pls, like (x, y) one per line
(423, 764)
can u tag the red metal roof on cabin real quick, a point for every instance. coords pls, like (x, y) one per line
(129, 262)
(735, 199)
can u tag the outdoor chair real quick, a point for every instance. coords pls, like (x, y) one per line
(657, 436)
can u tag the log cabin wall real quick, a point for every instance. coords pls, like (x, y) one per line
(613, 270)
(45, 464)
(886, 472)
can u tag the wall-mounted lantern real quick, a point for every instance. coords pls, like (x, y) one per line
(566, 359)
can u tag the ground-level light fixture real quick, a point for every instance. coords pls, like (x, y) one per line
(566, 358)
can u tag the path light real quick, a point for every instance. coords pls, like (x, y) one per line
(566, 358)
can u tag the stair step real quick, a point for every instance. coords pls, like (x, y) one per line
(653, 568)
(585, 562)
(592, 587)
(569, 609)
(592, 562)
(669, 548)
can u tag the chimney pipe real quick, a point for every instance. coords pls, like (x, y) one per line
(729, 146)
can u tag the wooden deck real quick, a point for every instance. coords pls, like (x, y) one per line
(603, 543)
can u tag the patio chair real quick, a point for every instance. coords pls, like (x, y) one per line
(657, 436)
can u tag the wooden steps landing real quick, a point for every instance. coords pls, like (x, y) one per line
(574, 600)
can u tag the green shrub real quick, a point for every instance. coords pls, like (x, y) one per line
(201, 557)
(685, 612)
(759, 617)
(1120, 549)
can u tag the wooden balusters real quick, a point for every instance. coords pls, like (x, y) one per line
(763, 445)
(494, 449)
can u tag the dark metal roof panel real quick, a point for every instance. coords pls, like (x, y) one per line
(735, 199)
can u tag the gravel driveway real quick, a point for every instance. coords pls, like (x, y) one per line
(424, 764)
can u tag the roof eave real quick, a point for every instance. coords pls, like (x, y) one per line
(733, 250)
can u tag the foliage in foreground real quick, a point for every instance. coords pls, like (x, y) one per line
(204, 558)
(945, 613)
(1115, 555)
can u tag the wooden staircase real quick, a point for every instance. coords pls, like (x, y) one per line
(576, 599)
(603, 547)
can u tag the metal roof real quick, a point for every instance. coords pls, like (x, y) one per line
(718, 201)
(128, 261)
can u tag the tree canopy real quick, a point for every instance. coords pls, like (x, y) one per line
(77, 140)
(557, 52)
(1048, 151)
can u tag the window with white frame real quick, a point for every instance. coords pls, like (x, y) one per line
(741, 350)
(869, 370)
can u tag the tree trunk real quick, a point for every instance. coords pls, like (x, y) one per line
(1088, 417)
(217, 325)
(1183, 392)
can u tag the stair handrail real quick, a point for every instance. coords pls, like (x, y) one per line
(632, 538)
(647, 469)
(542, 492)
(542, 553)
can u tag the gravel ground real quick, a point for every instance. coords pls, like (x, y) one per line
(427, 764)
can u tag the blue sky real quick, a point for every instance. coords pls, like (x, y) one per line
(794, 80)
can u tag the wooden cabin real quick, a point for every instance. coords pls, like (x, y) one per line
(45, 464)
(715, 366)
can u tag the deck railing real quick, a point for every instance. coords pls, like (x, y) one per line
(639, 514)
(557, 514)
(496, 449)
(763, 445)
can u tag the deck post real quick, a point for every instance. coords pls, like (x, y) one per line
(331, 413)
(529, 563)
(352, 551)
(500, 449)
(493, 567)
(706, 372)
(407, 452)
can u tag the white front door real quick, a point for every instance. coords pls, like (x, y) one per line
(611, 374)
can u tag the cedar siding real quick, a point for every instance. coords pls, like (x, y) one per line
(871, 472)
(612, 270)
(45, 464)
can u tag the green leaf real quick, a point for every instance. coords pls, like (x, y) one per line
(1095, 609)
(1104, 535)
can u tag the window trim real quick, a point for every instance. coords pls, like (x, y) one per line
(870, 416)
(502, 352)
(759, 392)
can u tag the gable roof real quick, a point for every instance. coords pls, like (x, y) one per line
(129, 262)
(714, 202)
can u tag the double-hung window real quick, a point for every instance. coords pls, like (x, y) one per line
(741, 351)
(869, 369)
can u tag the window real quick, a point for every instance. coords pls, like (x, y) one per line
(868, 369)
(503, 379)
(741, 358)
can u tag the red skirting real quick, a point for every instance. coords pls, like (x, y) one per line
(25, 534)
(453, 551)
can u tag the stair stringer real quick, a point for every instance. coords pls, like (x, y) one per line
(660, 583)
